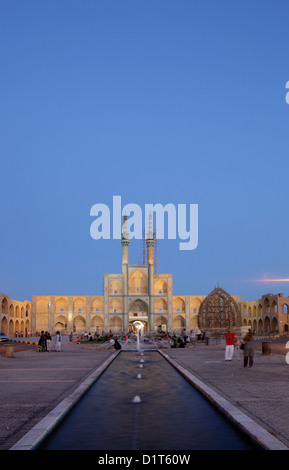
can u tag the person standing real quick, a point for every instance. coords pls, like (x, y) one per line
(58, 341)
(42, 342)
(48, 341)
(206, 337)
(184, 335)
(193, 336)
(249, 349)
(230, 344)
(199, 335)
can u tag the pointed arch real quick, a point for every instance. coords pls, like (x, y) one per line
(179, 323)
(4, 307)
(115, 287)
(61, 305)
(79, 324)
(138, 282)
(11, 328)
(139, 306)
(160, 305)
(160, 287)
(115, 324)
(178, 305)
(115, 306)
(266, 306)
(267, 325)
(79, 305)
(161, 321)
(97, 324)
(11, 311)
(274, 307)
(97, 305)
(60, 323)
(4, 325)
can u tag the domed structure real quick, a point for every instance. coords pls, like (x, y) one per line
(218, 312)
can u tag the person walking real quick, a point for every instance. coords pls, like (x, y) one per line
(58, 341)
(230, 344)
(249, 349)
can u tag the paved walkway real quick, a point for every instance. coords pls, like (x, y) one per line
(261, 392)
(32, 384)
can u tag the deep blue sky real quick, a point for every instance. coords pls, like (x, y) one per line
(158, 101)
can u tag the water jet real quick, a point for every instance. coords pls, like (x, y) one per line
(136, 399)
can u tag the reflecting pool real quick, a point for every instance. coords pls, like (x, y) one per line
(142, 403)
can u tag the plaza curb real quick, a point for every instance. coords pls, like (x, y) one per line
(254, 431)
(23, 342)
(41, 430)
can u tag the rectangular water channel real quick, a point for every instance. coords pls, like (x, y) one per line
(171, 415)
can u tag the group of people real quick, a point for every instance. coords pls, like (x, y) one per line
(203, 336)
(20, 334)
(45, 341)
(192, 337)
(84, 337)
(178, 342)
(247, 345)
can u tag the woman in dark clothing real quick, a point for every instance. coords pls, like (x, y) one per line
(117, 345)
(249, 349)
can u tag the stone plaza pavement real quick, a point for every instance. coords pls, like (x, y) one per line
(260, 392)
(32, 384)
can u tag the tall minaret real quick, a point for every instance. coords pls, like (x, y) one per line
(125, 244)
(150, 261)
(150, 242)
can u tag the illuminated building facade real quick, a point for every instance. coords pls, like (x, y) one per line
(139, 293)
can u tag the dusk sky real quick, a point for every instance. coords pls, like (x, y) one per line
(156, 101)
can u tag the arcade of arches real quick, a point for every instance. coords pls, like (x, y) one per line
(15, 316)
(270, 314)
(218, 310)
(139, 293)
